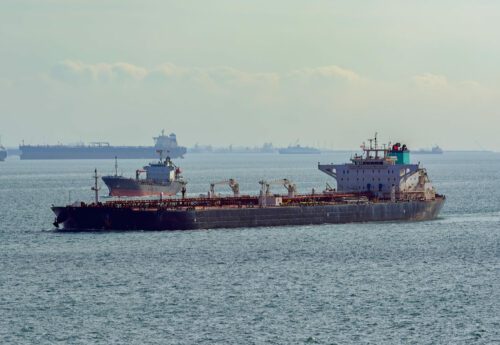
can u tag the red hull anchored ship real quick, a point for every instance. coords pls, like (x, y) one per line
(163, 178)
(379, 185)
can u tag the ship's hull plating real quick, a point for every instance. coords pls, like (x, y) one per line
(120, 186)
(110, 218)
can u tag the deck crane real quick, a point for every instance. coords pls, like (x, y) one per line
(235, 187)
(289, 185)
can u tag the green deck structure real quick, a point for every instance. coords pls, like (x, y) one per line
(402, 157)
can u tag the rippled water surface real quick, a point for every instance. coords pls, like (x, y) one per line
(435, 282)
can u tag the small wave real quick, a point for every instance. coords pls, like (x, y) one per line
(470, 217)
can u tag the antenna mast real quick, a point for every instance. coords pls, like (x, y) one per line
(96, 187)
(116, 166)
(160, 152)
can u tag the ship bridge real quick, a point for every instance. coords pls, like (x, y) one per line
(165, 142)
(383, 170)
(163, 171)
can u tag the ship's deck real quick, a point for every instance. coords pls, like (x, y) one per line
(248, 201)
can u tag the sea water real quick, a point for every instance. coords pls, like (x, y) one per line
(434, 282)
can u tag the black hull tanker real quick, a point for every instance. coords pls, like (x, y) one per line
(380, 185)
(160, 217)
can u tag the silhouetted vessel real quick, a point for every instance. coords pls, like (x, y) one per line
(103, 150)
(3, 153)
(297, 149)
(163, 178)
(435, 150)
(379, 185)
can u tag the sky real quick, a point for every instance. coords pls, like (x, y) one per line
(324, 73)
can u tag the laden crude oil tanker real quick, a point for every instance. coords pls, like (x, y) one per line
(103, 150)
(163, 178)
(378, 185)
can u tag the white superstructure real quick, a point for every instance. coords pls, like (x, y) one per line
(164, 171)
(386, 172)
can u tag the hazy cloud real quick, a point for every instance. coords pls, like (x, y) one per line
(429, 80)
(441, 89)
(5, 83)
(74, 71)
(326, 86)
(78, 72)
(328, 73)
(234, 77)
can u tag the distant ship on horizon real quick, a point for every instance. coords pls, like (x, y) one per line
(297, 149)
(436, 150)
(103, 150)
(265, 148)
(3, 152)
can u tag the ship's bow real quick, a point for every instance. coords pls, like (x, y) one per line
(61, 215)
(437, 206)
